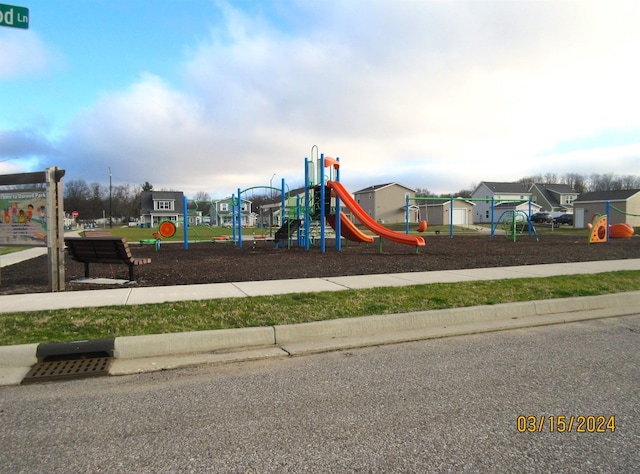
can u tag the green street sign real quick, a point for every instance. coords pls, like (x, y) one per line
(15, 17)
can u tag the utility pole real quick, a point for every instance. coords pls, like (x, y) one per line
(110, 202)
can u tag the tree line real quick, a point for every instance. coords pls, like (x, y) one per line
(122, 202)
(580, 183)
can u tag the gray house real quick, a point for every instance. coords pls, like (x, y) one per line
(507, 196)
(386, 203)
(625, 207)
(159, 206)
(554, 198)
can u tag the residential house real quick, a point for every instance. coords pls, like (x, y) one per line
(272, 210)
(199, 212)
(159, 206)
(386, 203)
(437, 211)
(554, 198)
(506, 196)
(625, 207)
(222, 212)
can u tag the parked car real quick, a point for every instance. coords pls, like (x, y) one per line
(542, 217)
(565, 219)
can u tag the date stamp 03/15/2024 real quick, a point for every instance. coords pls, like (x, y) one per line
(566, 424)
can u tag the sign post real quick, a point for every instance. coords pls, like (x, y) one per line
(34, 216)
(13, 16)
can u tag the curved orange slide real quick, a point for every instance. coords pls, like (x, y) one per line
(620, 231)
(348, 229)
(368, 221)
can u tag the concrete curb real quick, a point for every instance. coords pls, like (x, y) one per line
(134, 354)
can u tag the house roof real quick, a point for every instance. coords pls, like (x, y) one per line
(377, 187)
(163, 194)
(508, 188)
(556, 188)
(551, 193)
(514, 204)
(618, 195)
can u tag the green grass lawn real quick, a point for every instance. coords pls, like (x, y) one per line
(114, 321)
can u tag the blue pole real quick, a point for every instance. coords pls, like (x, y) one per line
(322, 194)
(283, 214)
(306, 204)
(186, 224)
(406, 214)
(338, 214)
(239, 216)
(491, 218)
(298, 216)
(233, 218)
(451, 218)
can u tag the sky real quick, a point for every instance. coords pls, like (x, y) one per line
(215, 96)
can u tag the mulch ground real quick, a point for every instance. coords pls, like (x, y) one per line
(224, 262)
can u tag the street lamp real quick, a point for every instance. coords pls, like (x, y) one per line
(110, 201)
(271, 184)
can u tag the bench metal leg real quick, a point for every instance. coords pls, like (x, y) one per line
(131, 273)
(86, 270)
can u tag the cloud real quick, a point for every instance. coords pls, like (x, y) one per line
(436, 95)
(24, 143)
(24, 54)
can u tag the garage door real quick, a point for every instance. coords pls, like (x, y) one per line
(460, 217)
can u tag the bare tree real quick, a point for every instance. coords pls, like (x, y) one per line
(602, 182)
(529, 180)
(202, 196)
(630, 181)
(576, 181)
(423, 192)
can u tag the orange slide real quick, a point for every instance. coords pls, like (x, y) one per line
(348, 229)
(620, 231)
(368, 222)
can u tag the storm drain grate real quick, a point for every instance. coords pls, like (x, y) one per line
(68, 369)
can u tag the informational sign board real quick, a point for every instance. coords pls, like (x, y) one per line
(13, 16)
(23, 220)
(32, 215)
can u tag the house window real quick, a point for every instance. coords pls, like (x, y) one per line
(164, 205)
(224, 206)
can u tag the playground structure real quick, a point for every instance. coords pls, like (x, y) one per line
(317, 210)
(318, 207)
(324, 197)
(600, 231)
(514, 222)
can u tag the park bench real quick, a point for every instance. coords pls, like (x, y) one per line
(102, 250)
(97, 233)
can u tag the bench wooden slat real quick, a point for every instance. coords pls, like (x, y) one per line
(103, 250)
(97, 233)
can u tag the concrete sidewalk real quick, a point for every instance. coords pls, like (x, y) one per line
(163, 351)
(132, 295)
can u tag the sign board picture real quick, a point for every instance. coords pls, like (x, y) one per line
(23, 218)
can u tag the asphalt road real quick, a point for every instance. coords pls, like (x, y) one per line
(438, 405)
